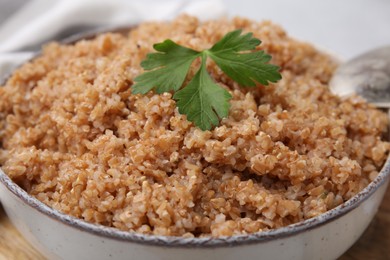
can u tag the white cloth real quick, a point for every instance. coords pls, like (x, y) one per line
(42, 20)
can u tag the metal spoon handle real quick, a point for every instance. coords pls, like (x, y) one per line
(367, 75)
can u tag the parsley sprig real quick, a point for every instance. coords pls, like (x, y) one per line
(202, 100)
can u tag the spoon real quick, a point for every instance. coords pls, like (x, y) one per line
(367, 75)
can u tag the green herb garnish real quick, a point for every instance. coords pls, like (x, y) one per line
(202, 100)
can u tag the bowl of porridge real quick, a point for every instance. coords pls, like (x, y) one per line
(90, 170)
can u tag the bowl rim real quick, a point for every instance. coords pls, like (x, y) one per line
(180, 242)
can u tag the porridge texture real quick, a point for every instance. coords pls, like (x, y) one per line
(73, 136)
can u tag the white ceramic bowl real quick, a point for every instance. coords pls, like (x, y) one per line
(60, 236)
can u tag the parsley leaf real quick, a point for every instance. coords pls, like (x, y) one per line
(168, 67)
(202, 100)
(244, 68)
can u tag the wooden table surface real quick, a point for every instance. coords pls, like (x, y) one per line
(374, 243)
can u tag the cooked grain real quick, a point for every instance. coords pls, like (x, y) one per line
(74, 136)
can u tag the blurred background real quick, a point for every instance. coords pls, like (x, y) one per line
(345, 28)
